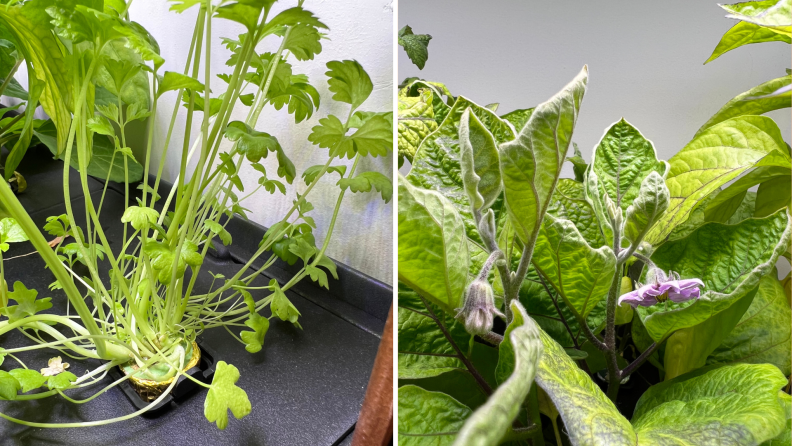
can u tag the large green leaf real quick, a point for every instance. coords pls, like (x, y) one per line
(433, 249)
(102, 159)
(533, 295)
(721, 207)
(32, 31)
(429, 418)
(592, 418)
(416, 121)
(729, 259)
(580, 274)
(423, 349)
(775, 15)
(569, 202)
(756, 101)
(531, 164)
(744, 33)
(520, 352)
(785, 438)
(687, 349)
(519, 117)
(718, 155)
(773, 195)
(763, 333)
(436, 165)
(620, 162)
(725, 406)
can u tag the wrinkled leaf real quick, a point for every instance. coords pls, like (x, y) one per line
(531, 164)
(433, 251)
(763, 333)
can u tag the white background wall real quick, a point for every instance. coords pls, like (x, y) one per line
(645, 61)
(360, 30)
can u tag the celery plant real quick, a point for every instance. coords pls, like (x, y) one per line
(91, 61)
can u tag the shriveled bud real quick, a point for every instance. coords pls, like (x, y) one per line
(479, 310)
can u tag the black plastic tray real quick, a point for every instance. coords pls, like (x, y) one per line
(306, 386)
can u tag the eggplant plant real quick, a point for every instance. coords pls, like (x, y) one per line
(528, 302)
(138, 307)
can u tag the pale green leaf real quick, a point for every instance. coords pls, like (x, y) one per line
(730, 405)
(177, 81)
(775, 15)
(756, 101)
(433, 251)
(569, 203)
(366, 181)
(29, 379)
(518, 118)
(718, 155)
(622, 159)
(520, 353)
(62, 380)
(580, 402)
(651, 203)
(254, 339)
(531, 164)
(729, 259)
(480, 163)
(224, 395)
(27, 303)
(9, 386)
(139, 217)
(724, 204)
(580, 274)
(772, 195)
(349, 82)
(11, 231)
(744, 33)
(763, 333)
(416, 121)
(219, 230)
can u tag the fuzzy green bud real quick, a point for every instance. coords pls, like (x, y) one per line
(479, 310)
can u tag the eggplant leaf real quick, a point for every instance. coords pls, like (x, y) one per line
(763, 333)
(730, 405)
(433, 251)
(718, 155)
(429, 418)
(531, 164)
(580, 274)
(729, 259)
(520, 353)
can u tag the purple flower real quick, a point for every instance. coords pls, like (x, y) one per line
(663, 288)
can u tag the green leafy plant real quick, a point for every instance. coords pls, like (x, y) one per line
(97, 72)
(633, 263)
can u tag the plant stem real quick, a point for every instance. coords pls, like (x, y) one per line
(10, 76)
(471, 368)
(633, 366)
(611, 360)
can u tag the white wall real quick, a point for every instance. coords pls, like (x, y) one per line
(360, 30)
(645, 60)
